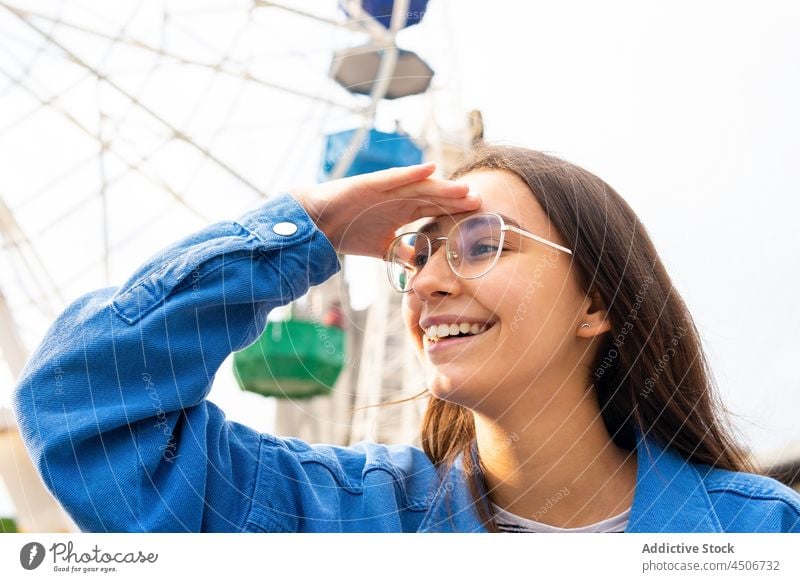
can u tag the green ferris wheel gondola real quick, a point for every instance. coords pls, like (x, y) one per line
(292, 359)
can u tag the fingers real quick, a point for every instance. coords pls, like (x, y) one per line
(438, 197)
(384, 180)
(433, 189)
(438, 208)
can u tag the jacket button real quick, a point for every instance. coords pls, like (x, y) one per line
(285, 228)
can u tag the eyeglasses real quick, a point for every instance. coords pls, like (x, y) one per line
(472, 248)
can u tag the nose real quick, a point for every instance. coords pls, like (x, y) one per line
(436, 279)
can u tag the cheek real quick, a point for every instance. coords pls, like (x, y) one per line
(520, 300)
(411, 311)
(534, 312)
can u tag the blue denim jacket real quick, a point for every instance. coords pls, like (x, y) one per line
(112, 407)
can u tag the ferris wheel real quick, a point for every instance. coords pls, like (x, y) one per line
(125, 108)
(124, 127)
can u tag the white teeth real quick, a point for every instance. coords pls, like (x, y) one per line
(435, 332)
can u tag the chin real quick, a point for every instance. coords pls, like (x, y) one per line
(451, 388)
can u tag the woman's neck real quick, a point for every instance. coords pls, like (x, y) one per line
(559, 466)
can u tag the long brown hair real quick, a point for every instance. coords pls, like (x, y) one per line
(650, 372)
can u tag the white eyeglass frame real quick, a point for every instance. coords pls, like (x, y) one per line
(503, 229)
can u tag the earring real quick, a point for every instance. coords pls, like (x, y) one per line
(585, 325)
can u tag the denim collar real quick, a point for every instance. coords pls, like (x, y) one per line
(453, 494)
(670, 493)
(670, 496)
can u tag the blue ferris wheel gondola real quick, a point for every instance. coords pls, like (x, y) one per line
(381, 11)
(379, 151)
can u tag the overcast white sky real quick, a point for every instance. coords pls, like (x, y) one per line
(689, 109)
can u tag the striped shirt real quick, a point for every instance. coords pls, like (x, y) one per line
(512, 523)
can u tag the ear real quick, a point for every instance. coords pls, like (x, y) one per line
(594, 313)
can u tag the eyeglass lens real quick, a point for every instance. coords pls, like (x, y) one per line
(473, 246)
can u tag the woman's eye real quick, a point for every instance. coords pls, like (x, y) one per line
(420, 260)
(485, 248)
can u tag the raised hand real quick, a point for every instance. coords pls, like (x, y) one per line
(360, 214)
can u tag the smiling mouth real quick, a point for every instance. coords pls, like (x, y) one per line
(443, 333)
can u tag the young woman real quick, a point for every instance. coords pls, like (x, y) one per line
(568, 387)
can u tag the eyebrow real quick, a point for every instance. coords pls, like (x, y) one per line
(433, 225)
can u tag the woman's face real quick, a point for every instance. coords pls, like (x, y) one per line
(530, 299)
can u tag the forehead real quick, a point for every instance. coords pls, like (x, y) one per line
(501, 192)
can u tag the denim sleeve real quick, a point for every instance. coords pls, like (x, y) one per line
(112, 405)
